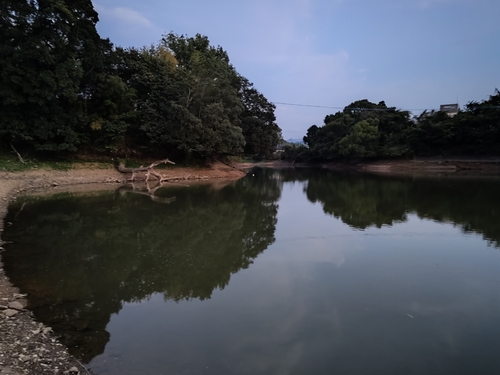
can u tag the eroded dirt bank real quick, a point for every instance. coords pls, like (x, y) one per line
(27, 346)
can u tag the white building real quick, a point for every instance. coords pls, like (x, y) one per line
(450, 109)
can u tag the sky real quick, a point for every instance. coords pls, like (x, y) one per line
(413, 54)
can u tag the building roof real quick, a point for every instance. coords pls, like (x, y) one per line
(449, 108)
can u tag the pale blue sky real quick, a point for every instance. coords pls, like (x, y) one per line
(414, 54)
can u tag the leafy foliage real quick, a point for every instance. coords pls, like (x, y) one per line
(261, 132)
(41, 72)
(63, 88)
(367, 130)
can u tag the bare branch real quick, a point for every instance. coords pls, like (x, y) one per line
(149, 169)
(18, 155)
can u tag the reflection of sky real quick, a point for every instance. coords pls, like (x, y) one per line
(416, 297)
(305, 233)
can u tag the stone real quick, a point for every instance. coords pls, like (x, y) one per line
(10, 312)
(8, 371)
(15, 305)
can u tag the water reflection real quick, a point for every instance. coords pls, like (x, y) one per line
(319, 299)
(79, 259)
(368, 200)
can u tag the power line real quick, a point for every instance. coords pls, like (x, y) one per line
(354, 109)
(369, 109)
(306, 105)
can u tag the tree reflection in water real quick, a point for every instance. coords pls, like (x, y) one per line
(364, 200)
(80, 258)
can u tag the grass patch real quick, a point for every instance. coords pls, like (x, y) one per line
(11, 163)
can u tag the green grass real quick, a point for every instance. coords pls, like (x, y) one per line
(9, 162)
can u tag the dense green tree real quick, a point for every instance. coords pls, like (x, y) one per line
(362, 129)
(159, 123)
(473, 131)
(209, 87)
(43, 49)
(175, 113)
(260, 130)
(362, 141)
(112, 109)
(63, 88)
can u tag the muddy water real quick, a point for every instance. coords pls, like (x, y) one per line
(282, 272)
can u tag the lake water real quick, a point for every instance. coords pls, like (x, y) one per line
(282, 272)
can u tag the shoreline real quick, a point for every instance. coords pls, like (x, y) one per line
(27, 346)
(421, 166)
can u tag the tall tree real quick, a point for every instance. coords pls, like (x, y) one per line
(41, 47)
(260, 130)
(362, 129)
(209, 92)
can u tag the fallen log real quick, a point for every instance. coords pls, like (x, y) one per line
(148, 170)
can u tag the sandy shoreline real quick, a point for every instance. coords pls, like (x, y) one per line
(26, 346)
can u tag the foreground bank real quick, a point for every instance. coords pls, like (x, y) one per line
(27, 346)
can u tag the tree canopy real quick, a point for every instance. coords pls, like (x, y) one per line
(42, 45)
(368, 130)
(64, 88)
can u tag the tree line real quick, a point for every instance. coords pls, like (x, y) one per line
(64, 89)
(369, 130)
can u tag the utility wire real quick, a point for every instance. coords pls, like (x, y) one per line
(307, 105)
(351, 108)
(369, 109)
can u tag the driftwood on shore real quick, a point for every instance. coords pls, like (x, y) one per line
(149, 171)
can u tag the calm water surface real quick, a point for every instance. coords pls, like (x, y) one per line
(282, 272)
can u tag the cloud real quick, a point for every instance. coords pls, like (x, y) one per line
(126, 27)
(125, 15)
(287, 55)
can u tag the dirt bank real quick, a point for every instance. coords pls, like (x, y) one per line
(425, 166)
(421, 166)
(26, 346)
